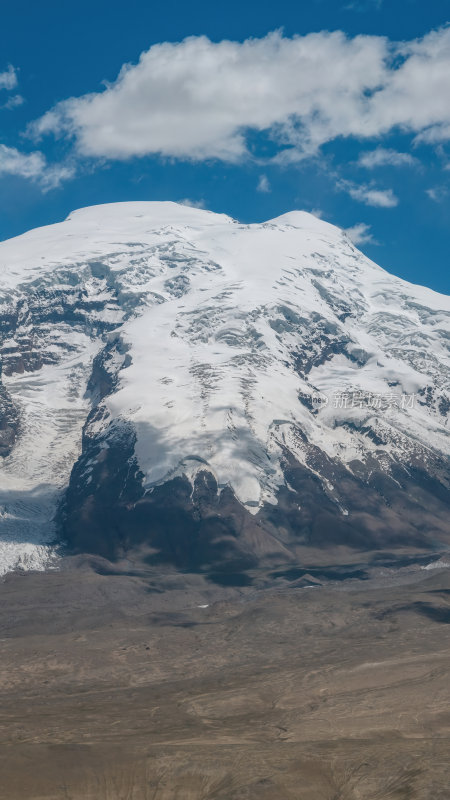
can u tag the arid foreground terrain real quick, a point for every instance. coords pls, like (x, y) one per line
(129, 688)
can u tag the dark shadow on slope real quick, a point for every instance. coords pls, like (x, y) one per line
(439, 614)
(199, 529)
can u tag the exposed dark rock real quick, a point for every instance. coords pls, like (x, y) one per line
(9, 421)
(104, 377)
(196, 528)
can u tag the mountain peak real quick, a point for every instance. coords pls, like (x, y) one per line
(265, 374)
(149, 212)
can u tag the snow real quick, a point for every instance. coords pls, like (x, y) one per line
(441, 564)
(33, 476)
(210, 377)
(214, 314)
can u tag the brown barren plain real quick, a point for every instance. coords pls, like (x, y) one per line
(114, 687)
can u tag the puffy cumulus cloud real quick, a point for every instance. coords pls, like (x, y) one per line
(381, 157)
(368, 194)
(8, 78)
(32, 166)
(360, 234)
(415, 98)
(198, 99)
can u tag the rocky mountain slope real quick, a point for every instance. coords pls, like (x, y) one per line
(180, 388)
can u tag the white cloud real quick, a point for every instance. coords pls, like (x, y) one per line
(437, 193)
(363, 5)
(263, 184)
(8, 81)
(192, 203)
(197, 99)
(27, 165)
(381, 157)
(415, 96)
(433, 135)
(32, 166)
(369, 195)
(317, 212)
(360, 234)
(13, 101)
(8, 78)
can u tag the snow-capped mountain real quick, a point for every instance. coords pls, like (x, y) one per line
(216, 395)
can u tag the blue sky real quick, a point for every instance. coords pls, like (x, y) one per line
(266, 108)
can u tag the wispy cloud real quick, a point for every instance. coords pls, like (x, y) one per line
(8, 78)
(381, 157)
(317, 212)
(368, 194)
(187, 201)
(434, 134)
(363, 5)
(360, 234)
(33, 166)
(9, 81)
(13, 102)
(437, 193)
(263, 184)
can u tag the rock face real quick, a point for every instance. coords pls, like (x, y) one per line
(218, 396)
(9, 422)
